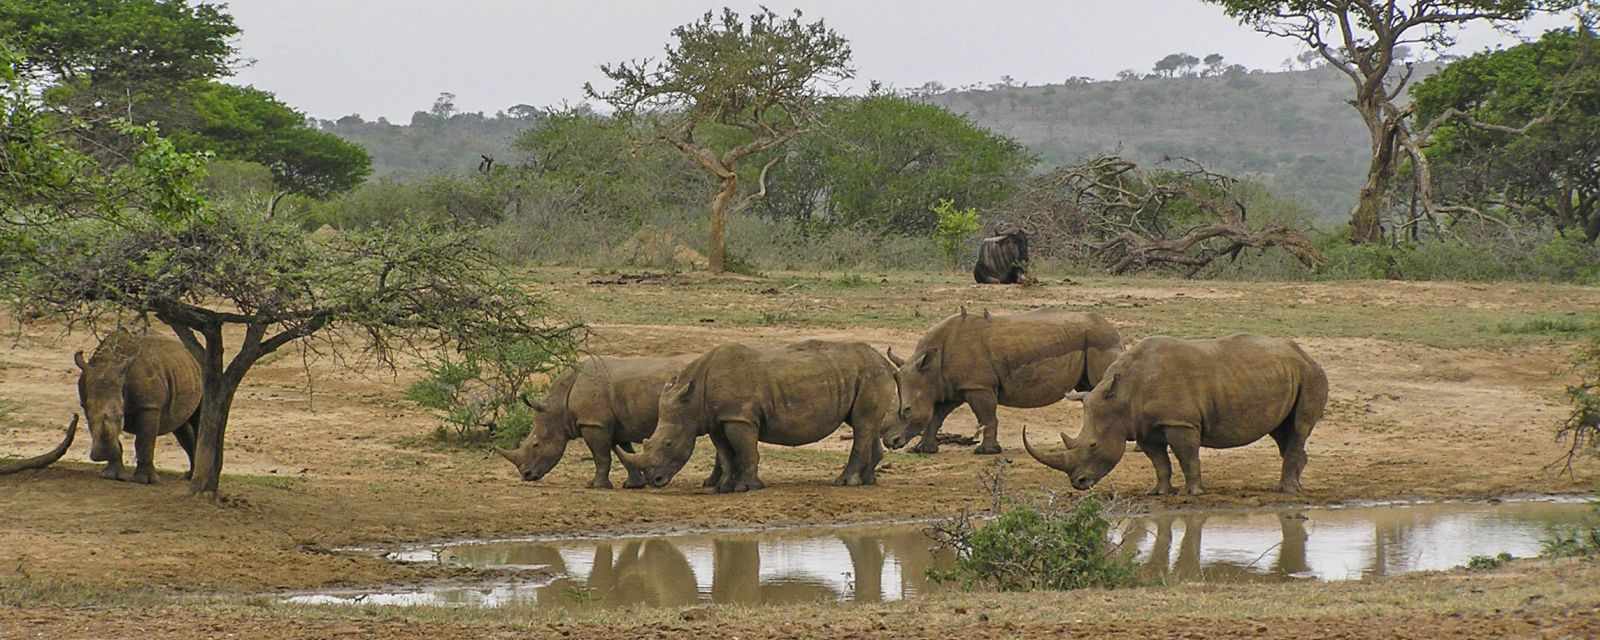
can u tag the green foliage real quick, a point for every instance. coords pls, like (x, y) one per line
(478, 394)
(1582, 540)
(1548, 176)
(451, 144)
(1035, 547)
(1581, 429)
(1561, 325)
(954, 229)
(1488, 563)
(115, 44)
(589, 167)
(244, 123)
(882, 161)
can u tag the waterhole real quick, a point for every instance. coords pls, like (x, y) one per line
(883, 563)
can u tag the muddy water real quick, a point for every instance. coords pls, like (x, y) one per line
(881, 563)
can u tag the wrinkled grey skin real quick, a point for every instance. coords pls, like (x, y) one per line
(605, 401)
(145, 386)
(791, 395)
(1024, 360)
(1187, 394)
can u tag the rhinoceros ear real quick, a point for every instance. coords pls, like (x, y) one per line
(963, 311)
(926, 360)
(986, 315)
(1111, 387)
(537, 407)
(78, 358)
(681, 394)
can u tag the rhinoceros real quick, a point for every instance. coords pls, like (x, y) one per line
(605, 401)
(1023, 360)
(790, 395)
(1187, 394)
(144, 385)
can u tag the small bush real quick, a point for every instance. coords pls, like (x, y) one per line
(955, 227)
(1488, 563)
(1575, 541)
(1052, 544)
(1581, 429)
(1564, 325)
(478, 395)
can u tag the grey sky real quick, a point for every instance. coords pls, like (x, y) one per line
(392, 57)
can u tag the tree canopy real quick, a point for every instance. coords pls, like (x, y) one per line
(764, 77)
(1548, 174)
(883, 161)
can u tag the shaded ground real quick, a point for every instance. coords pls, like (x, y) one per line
(1438, 390)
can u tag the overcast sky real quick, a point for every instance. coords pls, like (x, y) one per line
(392, 57)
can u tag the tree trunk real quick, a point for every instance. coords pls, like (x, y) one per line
(214, 408)
(1364, 219)
(719, 221)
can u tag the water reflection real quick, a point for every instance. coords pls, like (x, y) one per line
(872, 564)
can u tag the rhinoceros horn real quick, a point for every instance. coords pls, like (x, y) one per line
(897, 360)
(1076, 395)
(77, 358)
(634, 460)
(509, 455)
(40, 462)
(1056, 461)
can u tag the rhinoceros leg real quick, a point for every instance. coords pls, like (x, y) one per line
(930, 434)
(144, 447)
(1157, 452)
(185, 436)
(1185, 443)
(743, 438)
(719, 470)
(1292, 446)
(983, 406)
(599, 441)
(861, 467)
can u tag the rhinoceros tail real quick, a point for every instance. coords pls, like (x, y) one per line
(42, 461)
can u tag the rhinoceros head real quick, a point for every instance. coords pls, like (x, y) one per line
(918, 382)
(678, 422)
(100, 390)
(542, 448)
(1100, 445)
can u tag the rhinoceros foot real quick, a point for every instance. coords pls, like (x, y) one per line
(987, 449)
(741, 486)
(113, 473)
(145, 476)
(926, 446)
(604, 483)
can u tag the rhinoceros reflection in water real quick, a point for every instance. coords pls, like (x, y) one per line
(1270, 559)
(867, 566)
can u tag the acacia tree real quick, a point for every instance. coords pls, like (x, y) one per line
(86, 239)
(764, 78)
(1359, 38)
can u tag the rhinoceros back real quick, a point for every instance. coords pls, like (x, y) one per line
(796, 394)
(1030, 359)
(163, 377)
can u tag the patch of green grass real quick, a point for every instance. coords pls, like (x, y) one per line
(849, 281)
(1569, 325)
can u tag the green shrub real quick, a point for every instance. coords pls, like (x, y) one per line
(1581, 540)
(1043, 544)
(1488, 563)
(478, 394)
(954, 228)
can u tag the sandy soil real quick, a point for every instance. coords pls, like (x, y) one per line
(343, 465)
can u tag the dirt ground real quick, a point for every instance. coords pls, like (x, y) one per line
(1438, 390)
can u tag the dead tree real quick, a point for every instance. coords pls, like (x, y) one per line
(1134, 219)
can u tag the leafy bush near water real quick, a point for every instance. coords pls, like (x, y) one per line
(1053, 543)
(478, 394)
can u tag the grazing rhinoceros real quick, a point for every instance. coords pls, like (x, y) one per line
(1002, 259)
(790, 395)
(1021, 360)
(1188, 394)
(146, 386)
(603, 400)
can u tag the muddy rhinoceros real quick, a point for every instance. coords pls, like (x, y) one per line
(790, 395)
(1189, 394)
(1023, 360)
(143, 385)
(605, 401)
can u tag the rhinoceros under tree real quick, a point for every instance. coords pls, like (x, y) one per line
(1187, 394)
(1024, 360)
(143, 385)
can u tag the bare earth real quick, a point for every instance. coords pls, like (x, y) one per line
(1432, 396)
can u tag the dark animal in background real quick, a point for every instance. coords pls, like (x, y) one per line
(1002, 259)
